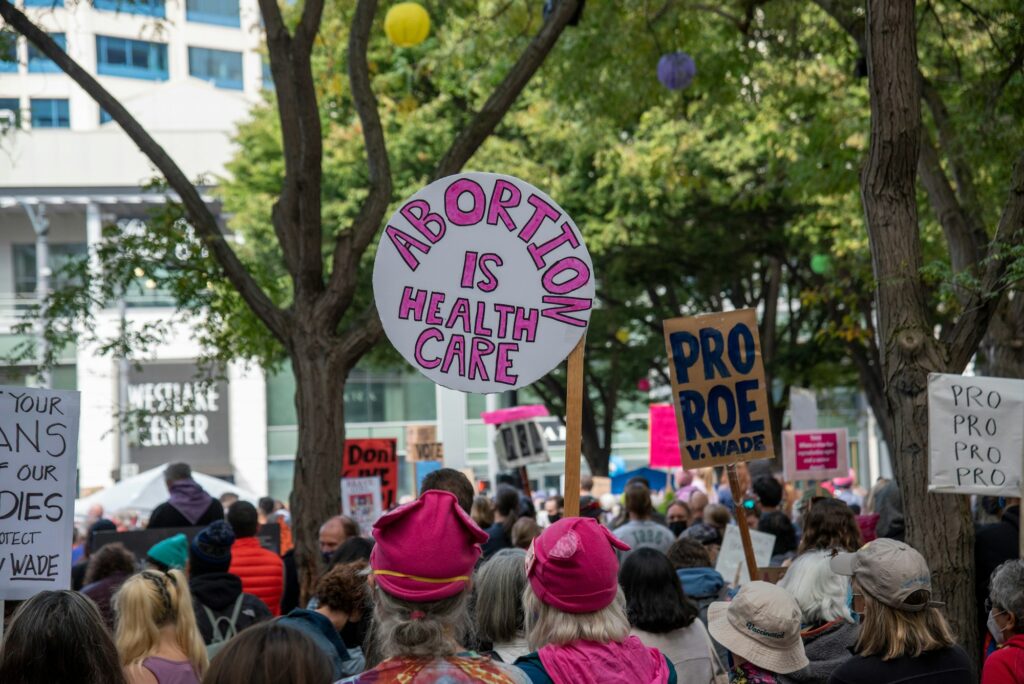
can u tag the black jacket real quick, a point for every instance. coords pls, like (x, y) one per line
(943, 666)
(166, 515)
(994, 545)
(218, 591)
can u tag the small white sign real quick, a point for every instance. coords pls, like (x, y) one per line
(38, 479)
(731, 559)
(361, 501)
(483, 282)
(975, 435)
(519, 443)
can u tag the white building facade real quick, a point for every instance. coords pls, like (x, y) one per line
(189, 71)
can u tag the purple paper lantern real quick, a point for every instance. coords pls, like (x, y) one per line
(676, 70)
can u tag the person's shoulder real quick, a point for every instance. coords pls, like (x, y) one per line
(157, 517)
(137, 673)
(533, 668)
(856, 670)
(512, 674)
(256, 605)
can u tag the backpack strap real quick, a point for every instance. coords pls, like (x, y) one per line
(215, 621)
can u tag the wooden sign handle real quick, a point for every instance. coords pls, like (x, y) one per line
(741, 522)
(574, 428)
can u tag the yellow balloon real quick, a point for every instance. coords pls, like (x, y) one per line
(407, 24)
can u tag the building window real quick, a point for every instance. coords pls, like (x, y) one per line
(131, 58)
(222, 12)
(61, 254)
(9, 104)
(222, 68)
(44, 3)
(38, 63)
(8, 51)
(268, 78)
(104, 117)
(50, 114)
(150, 8)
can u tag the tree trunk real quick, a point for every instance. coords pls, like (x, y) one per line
(316, 493)
(939, 526)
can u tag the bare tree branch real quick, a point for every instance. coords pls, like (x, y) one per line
(965, 335)
(296, 214)
(487, 119)
(351, 244)
(963, 237)
(203, 220)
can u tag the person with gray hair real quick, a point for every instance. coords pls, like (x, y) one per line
(499, 604)
(827, 627)
(1005, 608)
(188, 505)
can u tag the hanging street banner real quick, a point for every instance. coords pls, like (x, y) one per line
(374, 458)
(38, 482)
(483, 282)
(718, 388)
(815, 454)
(975, 435)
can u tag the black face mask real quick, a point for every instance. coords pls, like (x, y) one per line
(677, 527)
(327, 556)
(554, 517)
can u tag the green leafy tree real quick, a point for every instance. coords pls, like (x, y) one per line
(296, 276)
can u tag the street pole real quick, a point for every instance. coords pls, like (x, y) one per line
(123, 448)
(41, 226)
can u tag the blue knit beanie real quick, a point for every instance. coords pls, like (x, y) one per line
(211, 548)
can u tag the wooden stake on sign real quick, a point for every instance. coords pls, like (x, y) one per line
(573, 428)
(1021, 527)
(741, 522)
(524, 477)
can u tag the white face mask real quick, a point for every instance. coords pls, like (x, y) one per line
(994, 629)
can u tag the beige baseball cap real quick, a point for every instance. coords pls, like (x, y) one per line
(888, 570)
(762, 625)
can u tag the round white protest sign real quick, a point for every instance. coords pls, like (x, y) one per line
(483, 282)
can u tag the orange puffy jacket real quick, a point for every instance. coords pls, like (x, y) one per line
(261, 571)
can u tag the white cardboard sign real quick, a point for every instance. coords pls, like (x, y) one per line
(815, 454)
(975, 435)
(731, 557)
(361, 501)
(38, 479)
(483, 282)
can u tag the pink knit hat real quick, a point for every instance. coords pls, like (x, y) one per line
(426, 549)
(573, 567)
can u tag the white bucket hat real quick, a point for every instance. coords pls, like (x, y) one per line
(761, 625)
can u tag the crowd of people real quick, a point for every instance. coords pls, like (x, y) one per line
(455, 587)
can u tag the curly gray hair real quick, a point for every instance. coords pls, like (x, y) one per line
(1007, 590)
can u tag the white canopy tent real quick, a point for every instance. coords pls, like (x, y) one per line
(143, 492)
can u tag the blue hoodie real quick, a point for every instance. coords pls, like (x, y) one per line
(701, 583)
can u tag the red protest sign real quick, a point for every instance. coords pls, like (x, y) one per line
(369, 457)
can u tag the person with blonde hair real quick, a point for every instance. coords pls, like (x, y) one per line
(421, 571)
(576, 622)
(157, 638)
(903, 635)
(827, 627)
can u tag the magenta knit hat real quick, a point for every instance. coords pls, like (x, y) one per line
(573, 567)
(426, 549)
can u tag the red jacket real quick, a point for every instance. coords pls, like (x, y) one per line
(1006, 664)
(261, 572)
